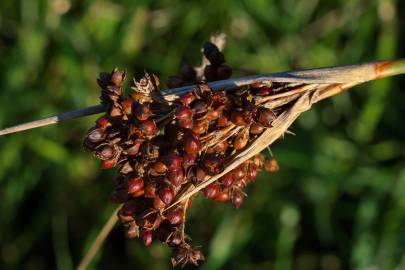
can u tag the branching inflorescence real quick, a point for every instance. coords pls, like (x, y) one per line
(165, 149)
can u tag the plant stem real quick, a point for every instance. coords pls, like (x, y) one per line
(102, 235)
(353, 74)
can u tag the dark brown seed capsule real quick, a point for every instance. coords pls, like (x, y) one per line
(238, 173)
(241, 140)
(200, 174)
(227, 180)
(173, 161)
(252, 173)
(159, 167)
(135, 185)
(213, 165)
(176, 177)
(200, 107)
(166, 194)
(264, 92)
(185, 123)
(237, 198)
(132, 230)
(238, 119)
(106, 152)
(256, 128)
(271, 165)
(96, 135)
(224, 72)
(148, 127)
(191, 144)
(115, 112)
(258, 160)
(211, 191)
(210, 73)
(142, 112)
(212, 115)
(147, 237)
(134, 149)
(117, 77)
(183, 113)
(158, 204)
(175, 215)
(189, 159)
(103, 122)
(186, 99)
(126, 105)
(174, 82)
(222, 196)
(220, 147)
(200, 127)
(223, 121)
(266, 116)
(150, 190)
(108, 164)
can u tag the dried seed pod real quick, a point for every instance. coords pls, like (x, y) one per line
(117, 77)
(132, 230)
(103, 122)
(238, 173)
(96, 135)
(189, 159)
(191, 143)
(222, 196)
(256, 129)
(142, 112)
(258, 160)
(166, 194)
(200, 174)
(241, 140)
(227, 180)
(271, 165)
(252, 173)
(173, 161)
(108, 164)
(106, 152)
(126, 105)
(223, 121)
(158, 204)
(175, 215)
(186, 99)
(135, 185)
(149, 127)
(134, 149)
(265, 116)
(219, 148)
(159, 167)
(176, 177)
(147, 237)
(264, 91)
(212, 115)
(150, 190)
(200, 127)
(211, 191)
(213, 165)
(237, 198)
(238, 118)
(185, 123)
(183, 113)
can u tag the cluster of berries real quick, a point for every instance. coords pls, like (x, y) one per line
(163, 149)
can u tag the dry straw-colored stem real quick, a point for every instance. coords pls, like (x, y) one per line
(354, 74)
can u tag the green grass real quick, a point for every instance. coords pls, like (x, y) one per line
(338, 201)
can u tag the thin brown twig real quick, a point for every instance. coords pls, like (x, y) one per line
(102, 235)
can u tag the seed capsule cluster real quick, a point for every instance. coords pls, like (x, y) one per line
(163, 150)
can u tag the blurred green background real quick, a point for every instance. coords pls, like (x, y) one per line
(338, 201)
